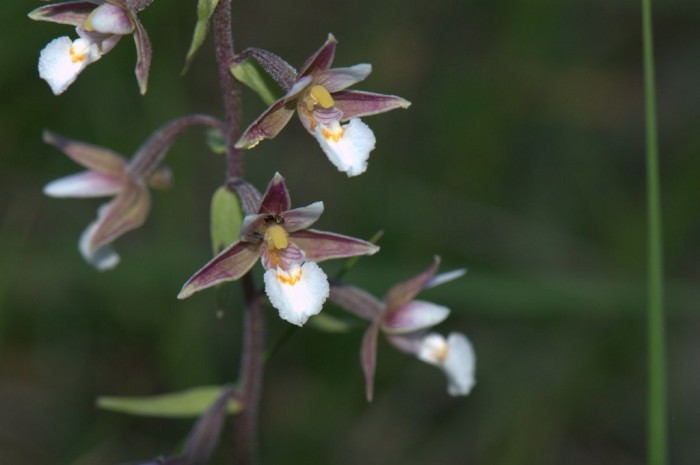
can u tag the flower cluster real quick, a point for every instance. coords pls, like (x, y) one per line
(272, 232)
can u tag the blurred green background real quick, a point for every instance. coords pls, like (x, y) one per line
(522, 159)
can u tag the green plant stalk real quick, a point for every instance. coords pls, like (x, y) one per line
(656, 441)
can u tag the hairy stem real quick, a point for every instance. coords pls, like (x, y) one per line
(230, 90)
(251, 368)
(251, 375)
(656, 442)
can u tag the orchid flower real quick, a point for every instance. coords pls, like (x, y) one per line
(319, 97)
(111, 174)
(405, 322)
(99, 25)
(279, 236)
(108, 174)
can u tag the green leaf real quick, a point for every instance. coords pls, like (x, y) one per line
(216, 141)
(226, 218)
(250, 73)
(331, 324)
(184, 404)
(205, 8)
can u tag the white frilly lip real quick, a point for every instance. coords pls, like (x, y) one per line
(350, 152)
(455, 356)
(62, 60)
(298, 293)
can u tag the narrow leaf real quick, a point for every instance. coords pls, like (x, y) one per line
(252, 75)
(184, 404)
(205, 9)
(226, 218)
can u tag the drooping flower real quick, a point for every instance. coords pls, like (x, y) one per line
(327, 110)
(111, 174)
(405, 323)
(279, 236)
(99, 25)
(108, 174)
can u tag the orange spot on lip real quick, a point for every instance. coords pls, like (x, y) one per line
(333, 135)
(287, 278)
(442, 353)
(76, 57)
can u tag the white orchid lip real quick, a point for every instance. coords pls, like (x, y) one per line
(62, 60)
(348, 146)
(433, 349)
(102, 257)
(297, 293)
(455, 356)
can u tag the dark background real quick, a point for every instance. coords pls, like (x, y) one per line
(522, 159)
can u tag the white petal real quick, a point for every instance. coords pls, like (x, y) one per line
(298, 87)
(62, 60)
(299, 293)
(104, 257)
(109, 43)
(414, 316)
(110, 19)
(455, 356)
(446, 277)
(85, 184)
(347, 147)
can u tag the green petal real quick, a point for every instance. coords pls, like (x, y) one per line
(226, 218)
(205, 9)
(184, 404)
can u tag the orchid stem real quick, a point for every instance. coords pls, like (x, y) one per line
(251, 376)
(656, 441)
(230, 89)
(251, 369)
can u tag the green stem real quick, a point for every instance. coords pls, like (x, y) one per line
(656, 442)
